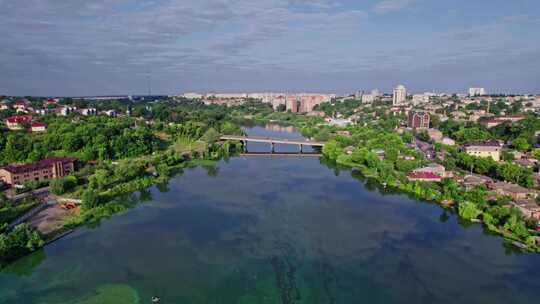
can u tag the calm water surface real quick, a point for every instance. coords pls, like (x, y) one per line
(275, 230)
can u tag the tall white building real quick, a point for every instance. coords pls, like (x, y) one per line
(368, 98)
(400, 95)
(477, 92)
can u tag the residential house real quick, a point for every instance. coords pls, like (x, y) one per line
(426, 148)
(88, 111)
(435, 135)
(448, 141)
(22, 106)
(38, 127)
(458, 115)
(516, 192)
(4, 105)
(423, 177)
(512, 118)
(65, 111)
(42, 111)
(474, 180)
(526, 162)
(111, 113)
(49, 102)
(490, 148)
(50, 168)
(14, 122)
(490, 123)
(435, 169)
(338, 122)
(529, 208)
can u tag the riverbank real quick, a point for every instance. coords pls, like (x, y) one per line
(270, 224)
(385, 157)
(101, 194)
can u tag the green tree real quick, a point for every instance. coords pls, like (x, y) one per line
(62, 185)
(521, 144)
(322, 135)
(18, 242)
(332, 150)
(468, 211)
(210, 136)
(90, 199)
(509, 172)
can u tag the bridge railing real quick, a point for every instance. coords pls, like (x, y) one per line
(272, 140)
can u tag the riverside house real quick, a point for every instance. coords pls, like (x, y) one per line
(490, 148)
(529, 208)
(49, 168)
(423, 177)
(514, 191)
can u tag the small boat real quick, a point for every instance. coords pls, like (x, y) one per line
(519, 245)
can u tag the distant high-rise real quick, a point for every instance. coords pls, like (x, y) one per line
(477, 92)
(400, 95)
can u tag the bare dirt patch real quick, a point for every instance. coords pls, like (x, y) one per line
(51, 219)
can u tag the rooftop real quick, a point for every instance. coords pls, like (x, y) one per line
(423, 175)
(42, 164)
(487, 143)
(508, 187)
(19, 118)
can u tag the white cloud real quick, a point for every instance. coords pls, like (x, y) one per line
(392, 5)
(214, 39)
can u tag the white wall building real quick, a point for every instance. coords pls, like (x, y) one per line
(477, 92)
(420, 99)
(227, 95)
(192, 95)
(88, 111)
(111, 113)
(400, 96)
(368, 98)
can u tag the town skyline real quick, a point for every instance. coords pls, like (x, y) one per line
(409, 92)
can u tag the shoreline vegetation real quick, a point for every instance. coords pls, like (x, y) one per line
(102, 195)
(121, 156)
(118, 156)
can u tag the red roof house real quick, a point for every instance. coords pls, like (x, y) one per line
(13, 122)
(423, 176)
(38, 127)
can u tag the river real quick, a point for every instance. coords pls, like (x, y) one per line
(275, 230)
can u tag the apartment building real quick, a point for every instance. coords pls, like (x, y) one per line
(49, 168)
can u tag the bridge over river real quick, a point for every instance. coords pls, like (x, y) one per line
(272, 141)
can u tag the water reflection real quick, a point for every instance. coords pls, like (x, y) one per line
(278, 230)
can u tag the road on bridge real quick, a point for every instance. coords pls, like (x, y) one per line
(273, 140)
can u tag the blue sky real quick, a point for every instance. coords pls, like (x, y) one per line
(99, 47)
